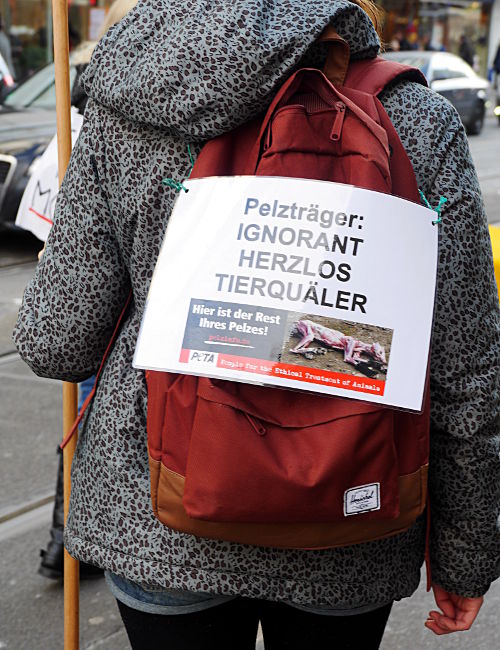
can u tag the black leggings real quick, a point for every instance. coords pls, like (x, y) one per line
(233, 626)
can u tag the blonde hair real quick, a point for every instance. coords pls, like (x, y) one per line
(375, 14)
(83, 52)
(118, 10)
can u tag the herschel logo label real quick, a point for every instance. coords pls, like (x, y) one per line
(362, 498)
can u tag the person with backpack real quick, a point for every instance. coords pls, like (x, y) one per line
(163, 82)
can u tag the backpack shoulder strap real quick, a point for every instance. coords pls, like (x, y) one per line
(373, 75)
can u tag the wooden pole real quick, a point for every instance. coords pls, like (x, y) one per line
(71, 566)
(63, 106)
(63, 91)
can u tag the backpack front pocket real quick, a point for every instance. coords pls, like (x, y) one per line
(242, 468)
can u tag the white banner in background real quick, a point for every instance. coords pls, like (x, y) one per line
(36, 210)
(295, 283)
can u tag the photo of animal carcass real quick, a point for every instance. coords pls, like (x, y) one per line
(337, 345)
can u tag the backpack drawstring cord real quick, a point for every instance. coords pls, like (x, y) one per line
(177, 185)
(442, 201)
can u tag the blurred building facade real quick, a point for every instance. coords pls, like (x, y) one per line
(445, 25)
(416, 24)
(26, 21)
(494, 35)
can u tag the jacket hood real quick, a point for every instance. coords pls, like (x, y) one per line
(199, 68)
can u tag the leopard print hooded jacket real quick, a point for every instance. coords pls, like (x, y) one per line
(179, 72)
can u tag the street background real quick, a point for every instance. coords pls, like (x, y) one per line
(31, 607)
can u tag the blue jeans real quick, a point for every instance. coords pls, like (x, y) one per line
(161, 601)
(180, 601)
(84, 388)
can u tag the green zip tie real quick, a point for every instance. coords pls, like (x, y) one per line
(442, 201)
(177, 185)
(191, 159)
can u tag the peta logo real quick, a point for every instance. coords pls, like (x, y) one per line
(198, 356)
(362, 498)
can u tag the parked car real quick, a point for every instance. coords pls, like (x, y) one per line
(451, 77)
(27, 124)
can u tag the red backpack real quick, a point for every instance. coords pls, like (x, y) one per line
(273, 467)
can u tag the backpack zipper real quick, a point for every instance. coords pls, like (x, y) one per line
(256, 425)
(338, 122)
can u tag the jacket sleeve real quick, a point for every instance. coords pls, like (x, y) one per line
(464, 463)
(464, 468)
(66, 319)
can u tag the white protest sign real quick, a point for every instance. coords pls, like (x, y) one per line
(295, 283)
(36, 210)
